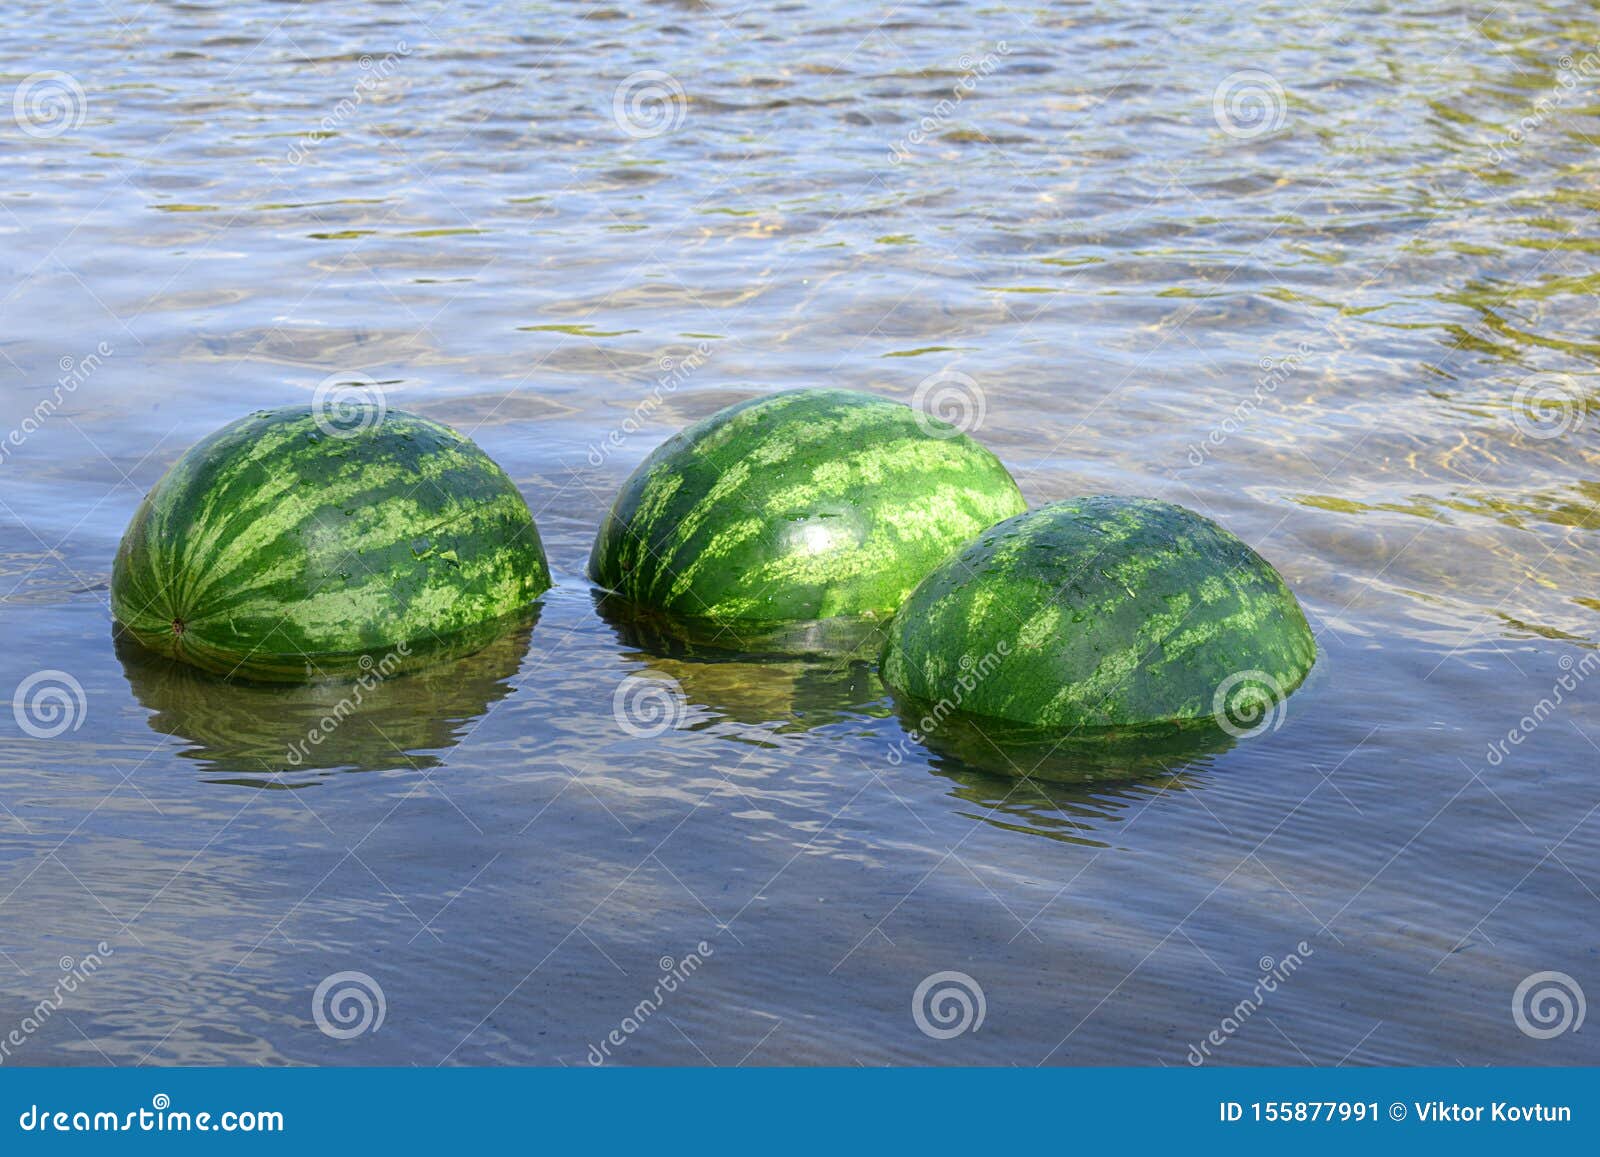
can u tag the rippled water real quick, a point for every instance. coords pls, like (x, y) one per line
(1287, 264)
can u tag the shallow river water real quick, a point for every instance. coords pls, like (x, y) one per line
(1323, 272)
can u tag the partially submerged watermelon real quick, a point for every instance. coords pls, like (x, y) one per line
(1100, 614)
(283, 549)
(807, 504)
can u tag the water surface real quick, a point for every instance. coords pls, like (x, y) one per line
(1286, 265)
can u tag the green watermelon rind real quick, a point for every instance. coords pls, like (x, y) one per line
(1100, 614)
(274, 550)
(802, 505)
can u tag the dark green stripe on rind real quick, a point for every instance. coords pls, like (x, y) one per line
(1097, 613)
(287, 553)
(807, 504)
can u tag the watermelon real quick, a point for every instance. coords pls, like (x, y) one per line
(285, 549)
(1104, 615)
(803, 505)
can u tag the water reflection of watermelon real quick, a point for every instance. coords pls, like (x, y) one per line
(259, 733)
(994, 747)
(1084, 813)
(798, 692)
